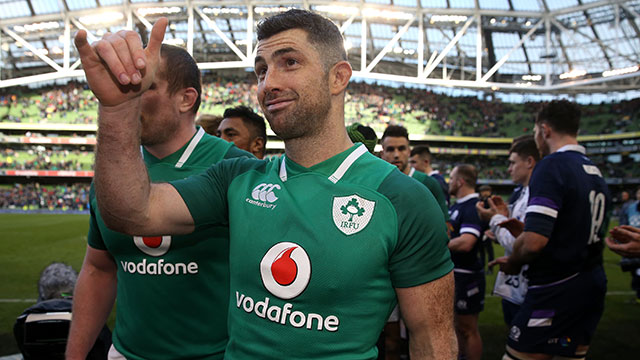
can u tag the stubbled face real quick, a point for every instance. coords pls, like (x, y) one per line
(233, 130)
(293, 88)
(160, 114)
(518, 169)
(454, 182)
(418, 163)
(542, 145)
(396, 151)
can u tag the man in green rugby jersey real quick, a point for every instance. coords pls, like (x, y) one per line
(320, 250)
(149, 276)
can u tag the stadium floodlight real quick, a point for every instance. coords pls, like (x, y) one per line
(575, 73)
(338, 10)
(220, 10)
(36, 26)
(386, 14)
(448, 18)
(102, 18)
(531, 77)
(158, 10)
(271, 10)
(622, 71)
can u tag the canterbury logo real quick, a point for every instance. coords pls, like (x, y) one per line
(265, 192)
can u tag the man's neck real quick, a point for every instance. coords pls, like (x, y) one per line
(309, 151)
(173, 144)
(561, 140)
(464, 191)
(328, 141)
(407, 170)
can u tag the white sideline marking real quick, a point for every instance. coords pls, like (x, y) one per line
(18, 300)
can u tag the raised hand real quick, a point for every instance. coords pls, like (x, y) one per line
(496, 203)
(117, 67)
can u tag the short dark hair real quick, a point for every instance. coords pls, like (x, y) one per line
(181, 71)
(253, 121)
(422, 150)
(525, 146)
(395, 131)
(468, 173)
(322, 33)
(563, 116)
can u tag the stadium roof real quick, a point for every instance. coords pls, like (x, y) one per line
(549, 46)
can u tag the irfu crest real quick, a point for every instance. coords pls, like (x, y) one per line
(351, 214)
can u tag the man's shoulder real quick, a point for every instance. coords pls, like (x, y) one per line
(401, 188)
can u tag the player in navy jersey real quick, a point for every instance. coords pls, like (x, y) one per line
(562, 243)
(466, 235)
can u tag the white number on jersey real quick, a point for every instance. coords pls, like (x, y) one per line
(597, 201)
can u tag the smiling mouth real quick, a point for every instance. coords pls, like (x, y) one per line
(278, 104)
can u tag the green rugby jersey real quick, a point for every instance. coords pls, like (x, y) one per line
(172, 295)
(434, 186)
(316, 252)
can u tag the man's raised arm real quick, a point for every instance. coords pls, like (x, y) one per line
(119, 70)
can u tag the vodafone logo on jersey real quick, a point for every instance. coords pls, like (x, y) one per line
(153, 245)
(285, 270)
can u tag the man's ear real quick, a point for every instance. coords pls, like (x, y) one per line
(546, 130)
(257, 146)
(339, 77)
(531, 162)
(188, 97)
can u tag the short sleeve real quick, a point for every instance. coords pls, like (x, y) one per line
(470, 222)
(94, 238)
(545, 198)
(206, 195)
(421, 254)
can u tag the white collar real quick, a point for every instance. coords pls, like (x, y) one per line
(340, 171)
(573, 147)
(188, 151)
(411, 172)
(468, 197)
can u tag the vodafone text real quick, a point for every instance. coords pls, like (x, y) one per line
(159, 268)
(285, 314)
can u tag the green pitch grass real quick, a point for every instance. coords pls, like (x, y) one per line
(29, 242)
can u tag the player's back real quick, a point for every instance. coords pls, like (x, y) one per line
(569, 204)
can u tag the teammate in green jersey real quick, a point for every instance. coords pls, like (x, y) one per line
(396, 150)
(320, 250)
(246, 129)
(153, 274)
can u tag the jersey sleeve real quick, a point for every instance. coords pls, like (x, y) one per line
(421, 254)
(94, 238)
(470, 222)
(206, 194)
(545, 198)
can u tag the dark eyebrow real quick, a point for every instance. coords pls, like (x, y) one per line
(276, 53)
